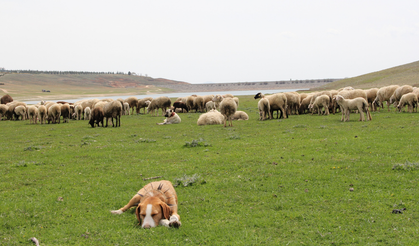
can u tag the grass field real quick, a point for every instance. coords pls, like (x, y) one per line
(277, 182)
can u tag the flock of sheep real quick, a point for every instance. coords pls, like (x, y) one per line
(218, 109)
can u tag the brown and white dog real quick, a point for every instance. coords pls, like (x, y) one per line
(156, 205)
(171, 118)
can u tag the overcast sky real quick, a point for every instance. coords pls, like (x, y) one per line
(211, 41)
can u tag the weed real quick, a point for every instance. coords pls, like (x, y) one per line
(145, 140)
(407, 166)
(196, 143)
(188, 180)
(32, 148)
(300, 126)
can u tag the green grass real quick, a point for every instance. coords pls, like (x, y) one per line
(277, 182)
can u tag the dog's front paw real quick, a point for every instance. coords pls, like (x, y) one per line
(116, 211)
(175, 224)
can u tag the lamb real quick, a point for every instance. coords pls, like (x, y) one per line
(210, 105)
(321, 102)
(132, 101)
(180, 105)
(350, 94)
(358, 103)
(384, 94)
(3, 110)
(6, 99)
(160, 102)
(304, 104)
(217, 99)
(65, 112)
(54, 113)
(276, 102)
(87, 113)
(228, 108)
(42, 114)
(78, 109)
(96, 117)
(399, 92)
(20, 111)
(212, 117)
(240, 115)
(409, 99)
(33, 114)
(264, 109)
(126, 109)
(113, 110)
(142, 103)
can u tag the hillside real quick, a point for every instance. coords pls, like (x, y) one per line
(407, 74)
(30, 86)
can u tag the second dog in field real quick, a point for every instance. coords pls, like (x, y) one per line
(171, 118)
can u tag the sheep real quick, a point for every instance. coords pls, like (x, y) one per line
(6, 99)
(142, 104)
(180, 105)
(42, 114)
(276, 102)
(228, 108)
(228, 95)
(20, 111)
(113, 110)
(264, 109)
(132, 101)
(3, 110)
(33, 114)
(371, 95)
(399, 92)
(87, 113)
(78, 109)
(217, 99)
(10, 114)
(65, 112)
(409, 99)
(304, 104)
(54, 113)
(207, 98)
(182, 99)
(189, 102)
(315, 95)
(126, 109)
(240, 115)
(210, 105)
(321, 101)
(293, 102)
(236, 100)
(358, 103)
(160, 102)
(198, 104)
(384, 94)
(96, 117)
(212, 117)
(350, 94)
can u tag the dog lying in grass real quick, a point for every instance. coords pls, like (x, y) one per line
(156, 205)
(171, 118)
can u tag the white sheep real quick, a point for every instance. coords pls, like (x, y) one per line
(42, 114)
(132, 101)
(277, 102)
(198, 104)
(160, 102)
(384, 94)
(228, 108)
(264, 109)
(217, 99)
(358, 103)
(113, 110)
(20, 111)
(409, 99)
(399, 92)
(87, 113)
(240, 115)
(33, 114)
(142, 103)
(3, 110)
(320, 102)
(212, 117)
(78, 111)
(54, 113)
(126, 109)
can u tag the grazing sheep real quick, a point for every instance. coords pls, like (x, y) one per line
(54, 113)
(65, 112)
(132, 101)
(142, 103)
(384, 94)
(315, 95)
(113, 110)
(87, 113)
(350, 94)
(171, 118)
(10, 114)
(358, 103)
(228, 95)
(228, 108)
(126, 109)
(189, 102)
(304, 104)
(321, 101)
(210, 106)
(240, 115)
(212, 117)
(20, 111)
(181, 99)
(293, 102)
(6, 99)
(371, 95)
(264, 109)
(42, 114)
(276, 102)
(3, 110)
(207, 98)
(180, 105)
(78, 110)
(399, 92)
(160, 102)
(198, 104)
(96, 117)
(33, 114)
(409, 99)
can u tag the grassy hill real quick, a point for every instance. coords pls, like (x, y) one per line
(407, 74)
(30, 86)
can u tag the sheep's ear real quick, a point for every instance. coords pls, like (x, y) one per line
(137, 213)
(166, 210)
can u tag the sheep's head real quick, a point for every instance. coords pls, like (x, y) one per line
(259, 95)
(92, 122)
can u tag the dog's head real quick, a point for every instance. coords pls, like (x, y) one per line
(151, 211)
(169, 113)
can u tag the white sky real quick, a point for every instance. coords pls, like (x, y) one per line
(211, 41)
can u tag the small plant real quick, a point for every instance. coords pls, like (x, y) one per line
(145, 140)
(300, 126)
(196, 143)
(32, 148)
(407, 166)
(188, 180)
(234, 137)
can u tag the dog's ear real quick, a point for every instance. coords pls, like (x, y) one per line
(137, 213)
(165, 210)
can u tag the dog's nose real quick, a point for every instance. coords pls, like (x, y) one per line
(147, 226)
